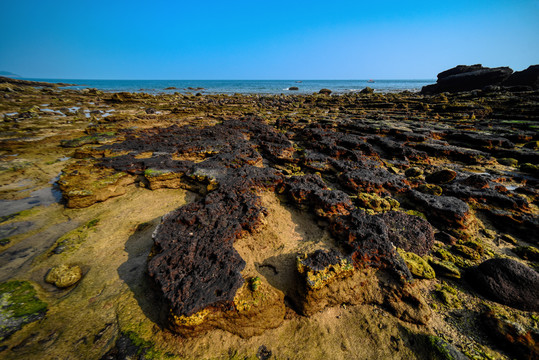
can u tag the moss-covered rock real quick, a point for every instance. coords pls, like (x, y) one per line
(417, 265)
(532, 145)
(445, 268)
(82, 185)
(466, 252)
(443, 176)
(376, 203)
(253, 312)
(19, 305)
(508, 238)
(64, 275)
(448, 296)
(159, 178)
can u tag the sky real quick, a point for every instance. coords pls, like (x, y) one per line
(226, 40)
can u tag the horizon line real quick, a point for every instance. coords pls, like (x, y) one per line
(366, 79)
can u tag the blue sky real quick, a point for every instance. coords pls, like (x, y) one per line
(263, 39)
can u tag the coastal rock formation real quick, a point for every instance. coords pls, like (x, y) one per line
(528, 77)
(508, 282)
(309, 218)
(466, 78)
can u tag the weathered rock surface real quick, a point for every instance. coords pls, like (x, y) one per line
(508, 282)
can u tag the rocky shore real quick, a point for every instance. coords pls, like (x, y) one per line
(355, 226)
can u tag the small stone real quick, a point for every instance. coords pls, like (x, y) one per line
(443, 176)
(263, 353)
(64, 275)
(325, 91)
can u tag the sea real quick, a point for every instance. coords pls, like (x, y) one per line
(243, 86)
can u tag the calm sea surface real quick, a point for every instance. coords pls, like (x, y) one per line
(244, 86)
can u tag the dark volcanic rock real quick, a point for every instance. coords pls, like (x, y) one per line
(408, 232)
(444, 210)
(195, 263)
(367, 239)
(508, 282)
(372, 180)
(465, 78)
(527, 77)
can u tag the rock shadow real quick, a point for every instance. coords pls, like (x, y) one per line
(135, 274)
(280, 270)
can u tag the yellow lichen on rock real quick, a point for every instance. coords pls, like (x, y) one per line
(417, 265)
(318, 279)
(64, 275)
(377, 203)
(193, 320)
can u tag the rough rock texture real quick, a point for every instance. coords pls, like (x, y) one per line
(408, 232)
(443, 210)
(82, 186)
(329, 278)
(508, 282)
(366, 237)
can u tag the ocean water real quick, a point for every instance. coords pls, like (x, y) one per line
(244, 86)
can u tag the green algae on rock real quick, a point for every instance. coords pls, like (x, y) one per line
(19, 305)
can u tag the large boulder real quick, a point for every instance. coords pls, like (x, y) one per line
(466, 78)
(527, 77)
(508, 282)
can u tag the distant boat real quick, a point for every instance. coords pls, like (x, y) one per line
(370, 81)
(299, 81)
